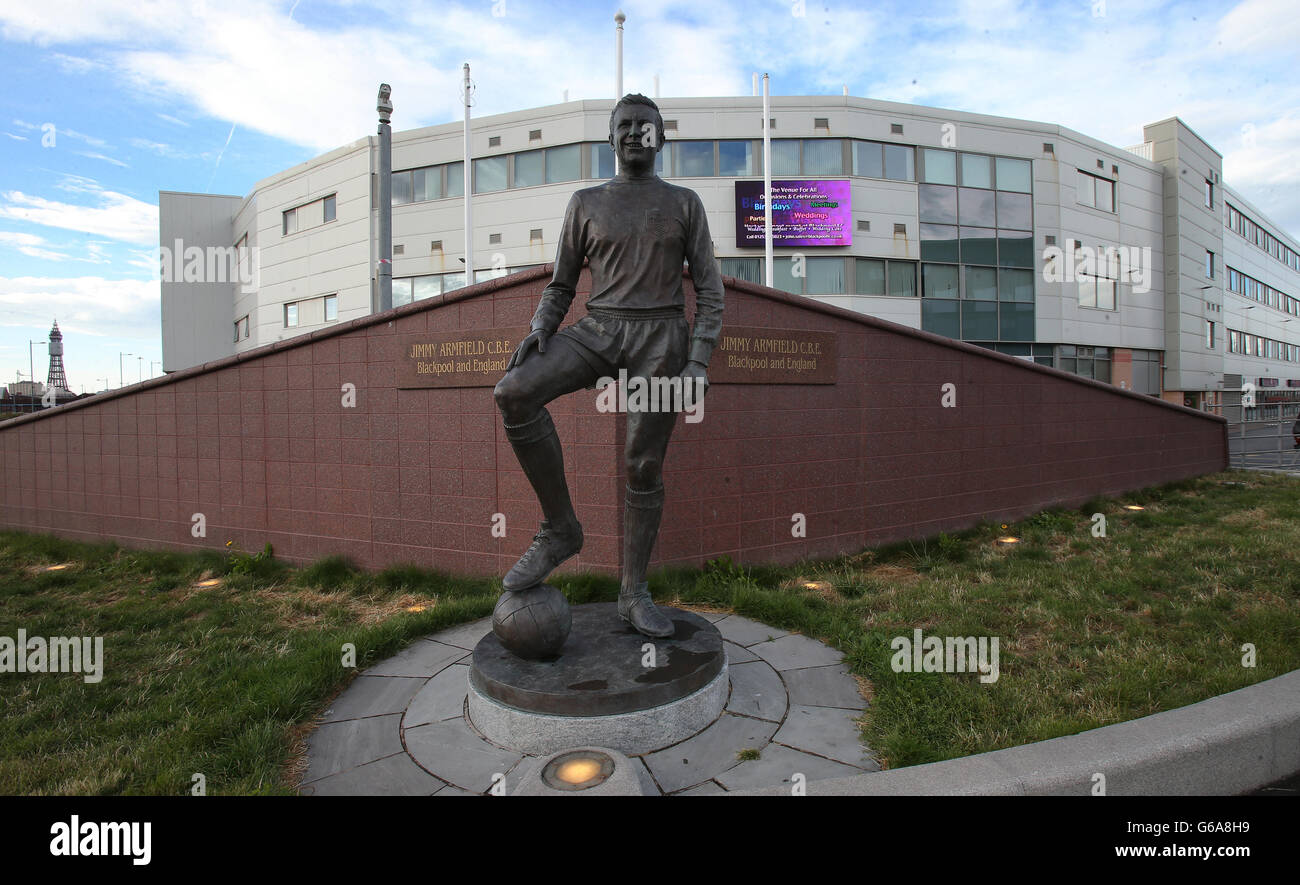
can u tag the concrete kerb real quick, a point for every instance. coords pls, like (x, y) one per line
(1225, 745)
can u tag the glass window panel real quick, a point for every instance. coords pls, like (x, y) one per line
(785, 156)
(425, 287)
(981, 284)
(602, 160)
(1085, 189)
(1015, 248)
(976, 171)
(748, 269)
(1106, 294)
(825, 276)
(528, 169)
(871, 276)
(1102, 369)
(823, 156)
(455, 180)
(562, 163)
(1105, 195)
(489, 175)
(941, 317)
(902, 279)
(331, 308)
(291, 314)
(1016, 322)
(401, 188)
(1014, 175)
(937, 203)
(1087, 293)
(976, 207)
(1084, 369)
(867, 159)
(939, 280)
(736, 158)
(979, 245)
(979, 320)
(433, 183)
(900, 162)
(452, 281)
(1067, 365)
(1015, 210)
(938, 242)
(783, 275)
(331, 208)
(694, 158)
(1016, 285)
(940, 166)
(401, 291)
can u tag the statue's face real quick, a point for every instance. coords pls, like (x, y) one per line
(637, 137)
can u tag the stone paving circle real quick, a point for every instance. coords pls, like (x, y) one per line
(401, 727)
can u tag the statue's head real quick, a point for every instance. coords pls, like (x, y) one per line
(633, 119)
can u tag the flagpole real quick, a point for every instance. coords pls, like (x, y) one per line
(767, 184)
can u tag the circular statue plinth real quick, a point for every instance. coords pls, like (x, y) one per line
(610, 687)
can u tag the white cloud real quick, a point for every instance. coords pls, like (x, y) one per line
(31, 245)
(89, 305)
(117, 216)
(94, 156)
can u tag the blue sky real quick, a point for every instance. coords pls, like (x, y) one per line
(148, 95)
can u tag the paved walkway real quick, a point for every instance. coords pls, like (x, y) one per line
(400, 728)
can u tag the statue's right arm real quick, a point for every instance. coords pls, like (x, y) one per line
(569, 256)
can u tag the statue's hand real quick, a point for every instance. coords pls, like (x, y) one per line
(695, 370)
(537, 337)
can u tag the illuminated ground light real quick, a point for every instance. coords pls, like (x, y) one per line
(579, 770)
(1134, 507)
(415, 608)
(1008, 540)
(820, 586)
(210, 582)
(57, 568)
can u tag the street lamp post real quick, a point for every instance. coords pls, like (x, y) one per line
(121, 381)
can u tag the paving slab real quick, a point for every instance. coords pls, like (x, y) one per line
(453, 752)
(743, 631)
(373, 696)
(466, 636)
(757, 690)
(394, 775)
(711, 617)
(830, 686)
(338, 746)
(778, 765)
(708, 788)
(738, 654)
(792, 652)
(709, 753)
(442, 697)
(424, 658)
(825, 731)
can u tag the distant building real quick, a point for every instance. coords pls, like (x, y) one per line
(25, 388)
(966, 225)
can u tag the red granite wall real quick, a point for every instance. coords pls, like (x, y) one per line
(262, 445)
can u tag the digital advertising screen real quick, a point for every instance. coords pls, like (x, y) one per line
(804, 213)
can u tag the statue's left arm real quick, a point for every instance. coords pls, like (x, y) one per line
(708, 284)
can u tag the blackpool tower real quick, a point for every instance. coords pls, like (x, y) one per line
(57, 380)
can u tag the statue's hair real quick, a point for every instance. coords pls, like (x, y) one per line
(637, 98)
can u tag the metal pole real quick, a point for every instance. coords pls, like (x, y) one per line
(619, 18)
(469, 207)
(767, 184)
(384, 271)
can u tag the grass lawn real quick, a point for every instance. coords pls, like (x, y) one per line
(224, 680)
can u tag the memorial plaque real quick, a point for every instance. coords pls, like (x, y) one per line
(456, 358)
(746, 355)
